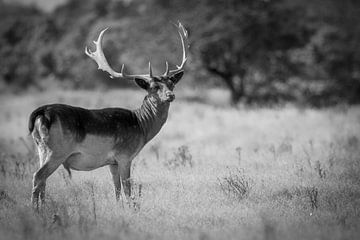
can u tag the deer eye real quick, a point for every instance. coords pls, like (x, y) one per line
(156, 87)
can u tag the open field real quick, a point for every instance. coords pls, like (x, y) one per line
(213, 172)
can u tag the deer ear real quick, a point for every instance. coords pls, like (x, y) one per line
(176, 77)
(142, 83)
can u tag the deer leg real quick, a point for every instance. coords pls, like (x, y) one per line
(124, 170)
(39, 179)
(114, 170)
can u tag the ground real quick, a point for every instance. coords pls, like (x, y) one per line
(213, 172)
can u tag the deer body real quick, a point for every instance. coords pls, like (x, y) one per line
(91, 139)
(86, 139)
(104, 135)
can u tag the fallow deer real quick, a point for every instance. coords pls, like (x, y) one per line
(86, 139)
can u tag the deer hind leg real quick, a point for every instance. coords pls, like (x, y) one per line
(41, 137)
(40, 176)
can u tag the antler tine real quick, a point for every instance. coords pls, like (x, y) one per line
(182, 31)
(150, 70)
(184, 43)
(167, 68)
(99, 57)
(122, 70)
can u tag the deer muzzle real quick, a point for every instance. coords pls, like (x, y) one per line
(170, 96)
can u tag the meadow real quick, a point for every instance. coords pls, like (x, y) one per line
(213, 172)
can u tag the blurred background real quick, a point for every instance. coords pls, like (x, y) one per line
(259, 51)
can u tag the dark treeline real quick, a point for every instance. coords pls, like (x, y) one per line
(263, 51)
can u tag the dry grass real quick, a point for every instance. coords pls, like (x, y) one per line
(300, 173)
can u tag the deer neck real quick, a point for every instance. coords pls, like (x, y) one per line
(151, 116)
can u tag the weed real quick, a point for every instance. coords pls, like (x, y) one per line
(238, 151)
(307, 156)
(236, 184)
(312, 194)
(285, 147)
(320, 170)
(272, 150)
(182, 158)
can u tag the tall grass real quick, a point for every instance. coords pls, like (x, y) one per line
(280, 173)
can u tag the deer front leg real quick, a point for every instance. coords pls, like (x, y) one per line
(121, 176)
(39, 179)
(124, 170)
(120, 172)
(114, 170)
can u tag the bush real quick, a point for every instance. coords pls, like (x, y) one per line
(182, 158)
(236, 184)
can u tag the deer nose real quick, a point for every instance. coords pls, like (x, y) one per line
(170, 96)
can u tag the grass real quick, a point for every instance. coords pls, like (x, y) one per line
(288, 173)
(236, 184)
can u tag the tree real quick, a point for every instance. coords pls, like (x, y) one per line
(250, 38)
(337, 50)
(24, 36)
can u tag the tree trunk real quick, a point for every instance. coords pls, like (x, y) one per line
(235, 97)
(237, 91)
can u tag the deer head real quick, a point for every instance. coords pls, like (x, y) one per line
(160, 87)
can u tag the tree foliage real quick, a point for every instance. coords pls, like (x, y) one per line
(262, 50)
(249, 46)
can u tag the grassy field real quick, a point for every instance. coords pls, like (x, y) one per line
(213, 172)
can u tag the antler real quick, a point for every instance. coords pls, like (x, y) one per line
(185, 45)
(99, 57)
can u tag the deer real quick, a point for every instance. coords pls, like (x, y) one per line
(86, 139)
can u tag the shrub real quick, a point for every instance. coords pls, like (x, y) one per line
(236, 184)
(182, 158)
